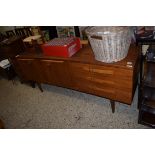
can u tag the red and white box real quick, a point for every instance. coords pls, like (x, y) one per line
(61, 47)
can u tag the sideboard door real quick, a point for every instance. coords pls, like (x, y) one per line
(55, 72)
(28, 69)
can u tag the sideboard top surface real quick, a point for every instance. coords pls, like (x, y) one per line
(85, 55)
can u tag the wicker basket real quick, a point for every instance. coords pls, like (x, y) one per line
(109, 43)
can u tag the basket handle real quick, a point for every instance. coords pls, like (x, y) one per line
(97, 37)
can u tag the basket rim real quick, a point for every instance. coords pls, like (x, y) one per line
(90, 31)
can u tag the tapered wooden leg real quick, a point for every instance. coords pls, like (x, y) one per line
(32, 84)
(112, 105)
(39, 86)
(1, 124)
(13, 81)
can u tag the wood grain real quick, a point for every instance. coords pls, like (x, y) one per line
(115, 81)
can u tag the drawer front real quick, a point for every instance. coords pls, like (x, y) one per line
(102, 72)
(124, 85)
(82, 84)
(123, 74)
(107, 92)
(79, 70)
(81, 76)
(124, 96)
(103, 81)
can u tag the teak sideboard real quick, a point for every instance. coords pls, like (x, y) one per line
(115, 81)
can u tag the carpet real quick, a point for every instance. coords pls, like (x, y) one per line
(24, 107)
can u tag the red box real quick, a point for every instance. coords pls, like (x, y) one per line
(61, 47)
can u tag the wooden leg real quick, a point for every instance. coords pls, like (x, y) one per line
(112, 105)
(1, 124)
(13, 81)
(21, 81)
(32, 84)
(39, 86)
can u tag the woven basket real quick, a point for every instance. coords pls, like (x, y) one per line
(109, 43)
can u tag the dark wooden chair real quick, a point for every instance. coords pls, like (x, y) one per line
(2, 37)
(37, 31)
(147, 90)
(28, 31)
(10, 33)
(23, 32)
(20, 32)
(8, 73)
(35, 36)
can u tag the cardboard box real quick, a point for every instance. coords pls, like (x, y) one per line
(61, 47)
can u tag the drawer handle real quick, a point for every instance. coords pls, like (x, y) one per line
(86, 68)
(103, 71)
(55, 61)
(25, 59)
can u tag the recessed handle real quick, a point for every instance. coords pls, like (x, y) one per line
(55, 61)
(103, 71)
(97, 37)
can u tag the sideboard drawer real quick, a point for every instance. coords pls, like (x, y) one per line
(103, 81)
(81, 76)
(102, 73)
(124, 84)
(107, 92)
(79, 69)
